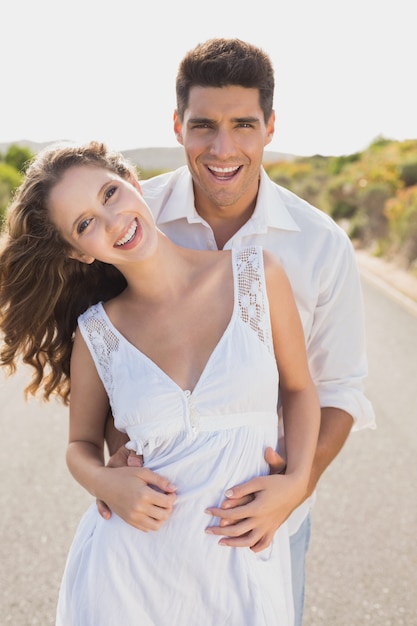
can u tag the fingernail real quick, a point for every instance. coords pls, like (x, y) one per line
(208, 531)
(228, 493)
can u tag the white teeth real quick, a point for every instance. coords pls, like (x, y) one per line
(224, 170)
(129, 235)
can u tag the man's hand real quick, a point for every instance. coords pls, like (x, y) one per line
(275, 461)
(121, 458)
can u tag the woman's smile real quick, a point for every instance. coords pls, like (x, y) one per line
(129, 236)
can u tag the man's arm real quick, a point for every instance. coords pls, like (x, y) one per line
(335, 426)
(120, 456)
(115, 440)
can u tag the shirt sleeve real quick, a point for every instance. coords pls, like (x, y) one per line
(337, 345)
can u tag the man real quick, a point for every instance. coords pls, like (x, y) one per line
(222, 199)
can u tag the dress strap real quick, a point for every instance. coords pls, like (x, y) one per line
(251, 292)
(101, 341)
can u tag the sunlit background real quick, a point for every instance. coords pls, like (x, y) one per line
(101, 69)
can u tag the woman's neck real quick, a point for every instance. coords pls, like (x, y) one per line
(162, 275)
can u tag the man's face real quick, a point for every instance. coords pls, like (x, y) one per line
(224, 134)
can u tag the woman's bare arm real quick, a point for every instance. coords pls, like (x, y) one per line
(128, 491)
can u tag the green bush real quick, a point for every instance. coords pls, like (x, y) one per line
(401, 213)
(408, 173)
(342, 210)
(10, 179)
(18, 157)
(336, 164)
(371, 201)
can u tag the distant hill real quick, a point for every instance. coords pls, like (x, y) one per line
(150, 158)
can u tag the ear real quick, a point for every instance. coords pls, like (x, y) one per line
(270, 128)
(83, 258)
(178, 127)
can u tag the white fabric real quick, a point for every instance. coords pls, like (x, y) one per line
(319, 260)
(204, 440)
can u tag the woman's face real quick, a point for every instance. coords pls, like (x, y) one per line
(101, 215)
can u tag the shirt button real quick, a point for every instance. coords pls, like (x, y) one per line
(211, 244)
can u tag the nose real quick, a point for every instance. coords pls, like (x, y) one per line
(223, 145)
(113, 222)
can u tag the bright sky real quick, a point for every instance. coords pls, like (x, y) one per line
(105, 69)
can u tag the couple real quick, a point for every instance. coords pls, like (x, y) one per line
(187, 347)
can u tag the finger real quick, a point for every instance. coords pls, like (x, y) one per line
(155, 480)
(232, 516)
(275, 461)
(237, 530)
(145, 523)
(159, 513)
(119, 458)
(245, 489)
(262, 544)
(150, 516)
(225, 522)
(244, 541)
(103, 509)
(235, 502)
(161, 501)
(134, 460)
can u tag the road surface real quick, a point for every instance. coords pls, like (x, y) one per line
(362, 564)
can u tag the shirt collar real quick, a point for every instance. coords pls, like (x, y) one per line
(180, 203)
(270, 210)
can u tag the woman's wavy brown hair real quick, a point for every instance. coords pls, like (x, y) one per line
(42, 290)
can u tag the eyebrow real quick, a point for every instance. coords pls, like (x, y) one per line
(202, 120)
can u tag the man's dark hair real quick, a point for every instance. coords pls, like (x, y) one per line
(224, 62)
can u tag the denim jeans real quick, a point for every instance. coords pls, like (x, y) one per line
(299, 543)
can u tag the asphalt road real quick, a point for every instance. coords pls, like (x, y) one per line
(362, 562)
(363, 555)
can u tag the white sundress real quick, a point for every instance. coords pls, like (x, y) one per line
(204, 442)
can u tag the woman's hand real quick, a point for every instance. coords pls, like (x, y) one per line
(253, 525)
(138, 495)
(132, 495)
(253, 511)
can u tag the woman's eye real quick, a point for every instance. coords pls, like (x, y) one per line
(82, 226)
(110, 191)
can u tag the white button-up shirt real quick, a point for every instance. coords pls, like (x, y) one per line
(319, 260)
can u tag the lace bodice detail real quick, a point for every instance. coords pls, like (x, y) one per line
(250, 301)
(103, 340)
(251, 293)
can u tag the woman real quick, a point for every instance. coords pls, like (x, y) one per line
(186, 348)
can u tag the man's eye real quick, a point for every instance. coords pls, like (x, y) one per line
(82, 226)
(110, 191)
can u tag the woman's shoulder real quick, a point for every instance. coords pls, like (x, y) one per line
(259, 256)
(94, 310)
(276, 278)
